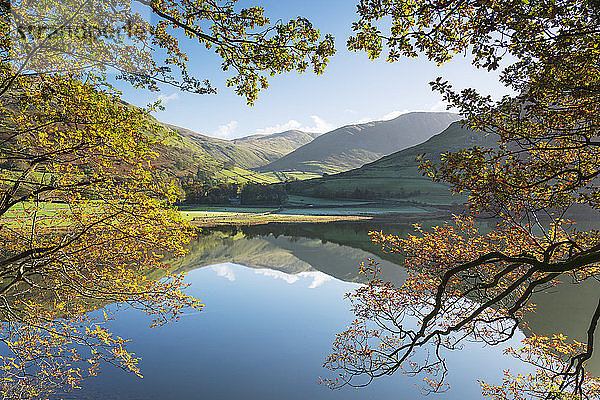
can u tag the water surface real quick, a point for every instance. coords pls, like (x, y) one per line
(274, 301)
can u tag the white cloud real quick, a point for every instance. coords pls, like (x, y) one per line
(291, 124)
(226, 131)
(318, 278)
(278, 275)
(394, 114)
(439, 106)
(364, 120)
(386, 117)
(225, 271)
(167, 98)
(319, 125)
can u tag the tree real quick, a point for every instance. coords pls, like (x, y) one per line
(264, 194)
(85, 220)
(96, 36)
(466, 284)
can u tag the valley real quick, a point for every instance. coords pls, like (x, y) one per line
(295, 172)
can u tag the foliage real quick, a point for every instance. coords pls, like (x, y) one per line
(207, 193)
(262, 194)
(104, 35)
(228, 193)
(236, 38)
(464, 284)
(84, 151)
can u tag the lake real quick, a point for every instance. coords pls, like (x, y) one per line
(274, 300)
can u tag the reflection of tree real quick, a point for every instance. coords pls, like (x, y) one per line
(472, 285)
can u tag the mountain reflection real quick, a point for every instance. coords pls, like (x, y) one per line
(290, 255)
(322, 251)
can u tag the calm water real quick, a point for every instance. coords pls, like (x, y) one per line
(274, 301)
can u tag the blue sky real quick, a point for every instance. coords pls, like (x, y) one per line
(353, 88)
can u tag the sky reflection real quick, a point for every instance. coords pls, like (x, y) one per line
(264, 335)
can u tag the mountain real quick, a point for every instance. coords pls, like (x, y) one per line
(397, 176)
(248, 152)
(184, 156)
(189, 154)
(355, 145)
(277, 145)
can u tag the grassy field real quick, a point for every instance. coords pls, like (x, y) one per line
(304, 201)
(218, 212)
(282, 176)
(240, 175)
(43, 209)
(319, 210)
(406, 185)
(52, 216)
(357, 211)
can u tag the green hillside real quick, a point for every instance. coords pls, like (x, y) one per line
(188, 156)
(355, 145)
(269, 148)
(249, 152)
(183, 158)
(397, 176)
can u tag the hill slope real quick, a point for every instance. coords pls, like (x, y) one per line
(277, 145)
(185, 158)
(355, 145)
(249, 152)
(397, 176)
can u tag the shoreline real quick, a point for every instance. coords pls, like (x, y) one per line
(264, 219)
(252, 219)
